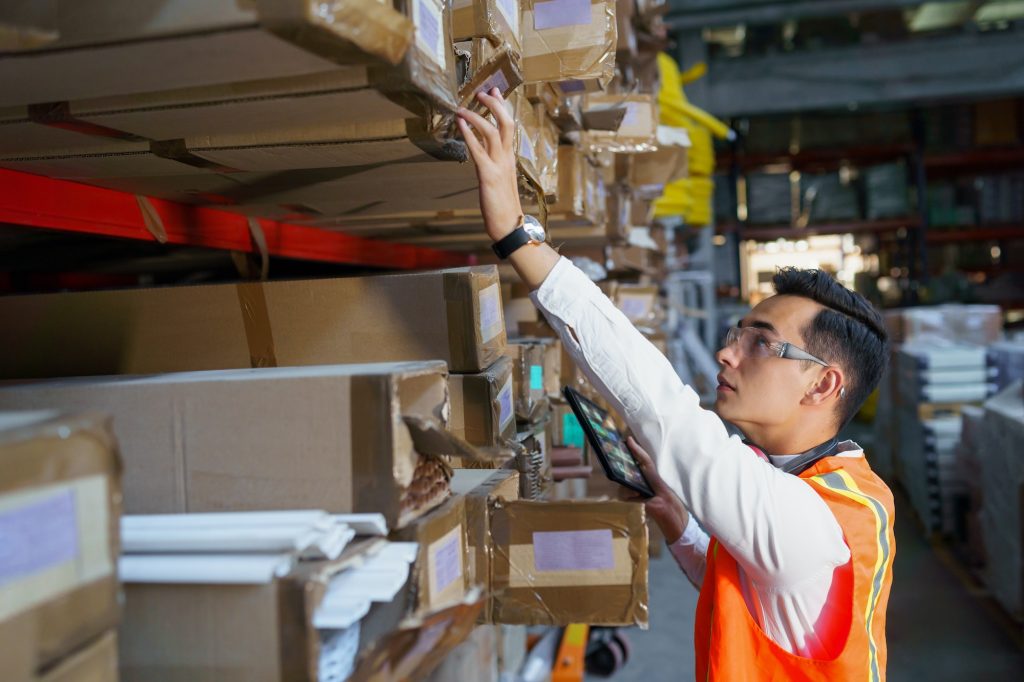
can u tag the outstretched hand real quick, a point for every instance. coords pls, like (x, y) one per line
(493, 151)
(665, 507)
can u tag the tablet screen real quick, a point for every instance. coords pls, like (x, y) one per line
(617, 453)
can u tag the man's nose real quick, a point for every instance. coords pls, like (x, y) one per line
(727, 356)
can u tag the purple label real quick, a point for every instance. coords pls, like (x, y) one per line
(37, 536)
(559, 13)
(574, 550)
(447, 567)
(569, 87)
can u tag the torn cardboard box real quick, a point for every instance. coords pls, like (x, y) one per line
(570, 43)
(337, 437)
(637, 131)
(496, 20)
(556, 563)
(480, 487)
(453, 315)
(441, 573)
(500, 69)
(483, 409)
(118, 47)
(60, 510)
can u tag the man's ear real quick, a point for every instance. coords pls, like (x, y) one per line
(830, 385)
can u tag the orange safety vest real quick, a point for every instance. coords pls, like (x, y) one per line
(729, 643)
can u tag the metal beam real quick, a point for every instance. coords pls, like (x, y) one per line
(712, 13)
(927, 69)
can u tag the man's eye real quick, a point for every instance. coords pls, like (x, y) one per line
(761, 341)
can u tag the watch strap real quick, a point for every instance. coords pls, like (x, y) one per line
(507, 245)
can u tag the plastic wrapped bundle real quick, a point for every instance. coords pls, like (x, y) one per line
(1007, 357)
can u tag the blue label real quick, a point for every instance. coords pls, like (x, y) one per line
(536, 378)
(572, 432)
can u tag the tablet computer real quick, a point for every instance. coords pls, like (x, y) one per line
(609, 445)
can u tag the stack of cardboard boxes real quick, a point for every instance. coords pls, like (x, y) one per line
(395, 395)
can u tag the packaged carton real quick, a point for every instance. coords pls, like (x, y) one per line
(344, 438)
(570, 43)
(118, 47)
(441, 573)
(580, 189)
(564, 562)
(528, 378)
(453, 315)
(496, 20)
(547, 153)
(60, 508)
(96, 662)
(637, 303)
(483, 405)
(637, 131)
(480, 488)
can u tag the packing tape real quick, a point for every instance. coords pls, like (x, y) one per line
(256, 318)
(58, 115)
(151, 220)
(260, 240)
(523, 571)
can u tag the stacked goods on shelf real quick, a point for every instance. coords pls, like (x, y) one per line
(886, 192)
(1007, 357)
(934, 382)
(968, 456)
(1002, 480)
(536, 364)
(827, 197)
(453, 315)
(60, 506)
(345, 438)
(769, 198)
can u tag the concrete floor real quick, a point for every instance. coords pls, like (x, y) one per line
(937, 631)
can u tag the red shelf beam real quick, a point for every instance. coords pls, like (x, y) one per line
(40, 202)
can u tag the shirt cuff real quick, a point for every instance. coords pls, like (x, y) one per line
(693, 539)
(562, 287)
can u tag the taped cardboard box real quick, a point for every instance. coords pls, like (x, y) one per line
(528, 152)
(480, 487)
(258, 628)
(569, 43)
(96, 662)
(638, 303)
(496, 20)
(483, 405)
(619, 212)
(544, 94)
(344, 438)
(113, 47)
(637, 131)
(625, 42)
(441, 575)
(528, 378)
(60, 506)
(453, 315)
(580, 189)
(565, 562)
(490, 68)
(547, 153)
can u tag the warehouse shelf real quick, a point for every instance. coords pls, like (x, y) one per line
(976, 160)
(987, 233)
(816, 159)
(773, 232)
(38, 202)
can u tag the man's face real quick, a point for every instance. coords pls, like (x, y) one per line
(755, 387)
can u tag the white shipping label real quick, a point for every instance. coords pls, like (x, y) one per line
(430, 29)
(491, 322)
(495, 80)
(505, 411)
(510, 10)
(52, 539)
(573, 550)
(444, 561)
(561, 13)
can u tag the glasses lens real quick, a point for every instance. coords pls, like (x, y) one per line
(750, 341)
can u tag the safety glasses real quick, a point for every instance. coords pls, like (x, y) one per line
(755, 343)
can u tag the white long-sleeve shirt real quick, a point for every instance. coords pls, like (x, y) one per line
(786, 541)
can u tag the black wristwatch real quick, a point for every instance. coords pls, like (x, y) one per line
(529, 231)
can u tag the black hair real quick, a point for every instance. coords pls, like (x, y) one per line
(849, 332)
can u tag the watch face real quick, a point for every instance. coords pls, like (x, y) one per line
(533, 228)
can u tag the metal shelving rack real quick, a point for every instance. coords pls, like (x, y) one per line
(33, 201)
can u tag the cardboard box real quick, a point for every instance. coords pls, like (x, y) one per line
(637, 303)
(441, 575)
(496, 20)
(118, 47)
(475, 659)
(580, 189)
(60, 506)
(547, 153)
(528, 378)
(565, 427)
(544, 94)
(626, 42)
(572, 48)
(483, 405)
(518, 307)
(528, 151)
(259, 630)
(533, 462)
(552, 367)
(344, 438)
(556, 563)
(637, 131)
(96, 662)
(619, 212)
(453, 315)
(480, 488)
(490, 69)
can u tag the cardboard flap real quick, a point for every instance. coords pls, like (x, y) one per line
(421, 643)
(604, 119)
(429, 437)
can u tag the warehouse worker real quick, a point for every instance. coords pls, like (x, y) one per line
(788, 535)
